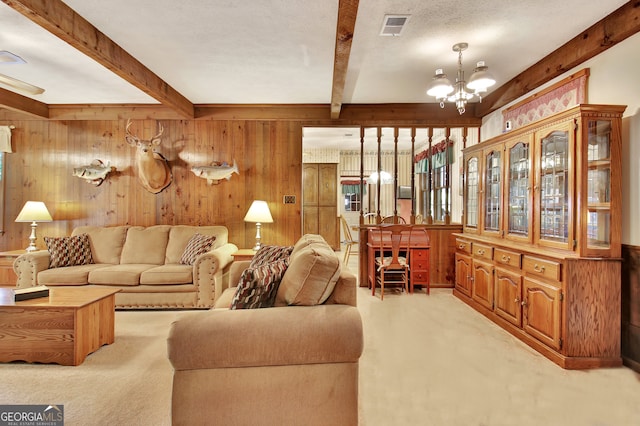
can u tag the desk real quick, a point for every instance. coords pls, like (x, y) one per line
(419, 273)
(441, 254)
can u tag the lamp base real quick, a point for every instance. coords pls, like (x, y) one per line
(32, 238)
(258, 243)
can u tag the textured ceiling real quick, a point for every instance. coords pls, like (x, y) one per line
(282, 51)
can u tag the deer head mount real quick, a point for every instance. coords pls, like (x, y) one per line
(153, 169)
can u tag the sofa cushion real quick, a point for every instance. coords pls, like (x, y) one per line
(198, 245)
(69, 251)
(167, 274)
(258, 286)
(180, 234)
(106, 242)
(124, 274)
(71, 275)
(311, 276)
(145, 245)
(268, 254)
(306, 240)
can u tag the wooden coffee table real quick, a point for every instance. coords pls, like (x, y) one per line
(63, 328)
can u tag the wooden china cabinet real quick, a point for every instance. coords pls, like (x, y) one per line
(540, 251)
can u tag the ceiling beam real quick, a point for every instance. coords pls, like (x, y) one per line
(604, 34)
(347, 11)
(14, 102)
(59, 19)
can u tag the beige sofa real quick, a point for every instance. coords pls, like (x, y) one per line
(283, 365)
(144, 263)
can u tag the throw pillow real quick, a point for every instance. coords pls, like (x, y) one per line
(198, 244)
(69, 251)
(268, 254)
(258, 286)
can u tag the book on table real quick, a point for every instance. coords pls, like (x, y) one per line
(30, 293)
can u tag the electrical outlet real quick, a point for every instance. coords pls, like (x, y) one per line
(289, 199)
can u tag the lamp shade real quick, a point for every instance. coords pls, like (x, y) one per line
(259, 212)
(440, 86)
(34, 211)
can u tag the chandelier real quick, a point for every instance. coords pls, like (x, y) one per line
(459, 93)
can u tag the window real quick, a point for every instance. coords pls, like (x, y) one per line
(352, 202)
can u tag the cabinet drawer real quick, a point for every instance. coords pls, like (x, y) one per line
(419, 264)
(506, 257)
(541, 267)
(420, 277)
(419, 254)
(463, 246)
(482, 251)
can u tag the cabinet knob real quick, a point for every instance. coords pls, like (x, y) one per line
(523, 303)
(516, 301)
(461, 246)
(538, 268)
(481, 252)
(506, 258)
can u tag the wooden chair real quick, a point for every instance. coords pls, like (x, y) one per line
(348, 240)
(392, 269)
(370, 219)
(394, 219)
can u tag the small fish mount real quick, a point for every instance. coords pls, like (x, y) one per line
(215, 172)
(94, 173)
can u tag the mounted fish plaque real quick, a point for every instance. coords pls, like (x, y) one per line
(94, 173)
(216, 172)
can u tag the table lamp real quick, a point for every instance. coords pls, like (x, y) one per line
(33, 211)
(258, 213)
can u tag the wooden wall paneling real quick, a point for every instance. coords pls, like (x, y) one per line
(268, 154)
(630, 336)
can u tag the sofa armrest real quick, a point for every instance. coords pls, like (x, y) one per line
(235, 271)
(266, 337)
(210, 273)
(26, 266)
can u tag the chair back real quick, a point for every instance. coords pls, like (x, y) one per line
(345, 228)
(370, 218)
(394, 237)
(393, 219)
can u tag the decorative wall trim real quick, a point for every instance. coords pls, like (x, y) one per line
(561, 96)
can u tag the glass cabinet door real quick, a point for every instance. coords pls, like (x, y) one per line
(553, 185)
(493, 186)
(472, 189)
(599, 183)
(518, 190)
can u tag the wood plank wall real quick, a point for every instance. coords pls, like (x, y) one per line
(631, 306)
(268, 154)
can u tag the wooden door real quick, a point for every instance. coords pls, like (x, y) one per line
(541, 311)
(508, 297)
(319, 202)
(482, 283)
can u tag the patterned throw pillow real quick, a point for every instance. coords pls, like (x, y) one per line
(258, 286)
(69, 251)
(268, 254)
(197, 245)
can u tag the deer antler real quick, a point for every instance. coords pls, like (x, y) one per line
(160, 130)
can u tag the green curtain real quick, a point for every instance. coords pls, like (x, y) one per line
(353, 189)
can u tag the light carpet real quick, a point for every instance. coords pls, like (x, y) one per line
(428, 360)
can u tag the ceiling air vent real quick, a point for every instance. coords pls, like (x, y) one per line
(393, 25)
